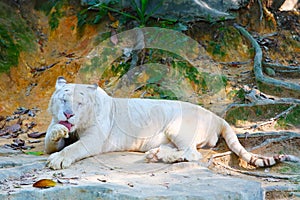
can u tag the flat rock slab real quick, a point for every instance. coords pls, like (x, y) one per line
(119, 175)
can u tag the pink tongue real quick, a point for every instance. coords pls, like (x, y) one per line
(66, 124)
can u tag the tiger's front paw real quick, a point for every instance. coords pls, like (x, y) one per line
(59, 160)
(59, 131)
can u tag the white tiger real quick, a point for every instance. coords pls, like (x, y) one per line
(168, 131)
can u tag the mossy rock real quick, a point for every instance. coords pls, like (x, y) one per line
(15, 36)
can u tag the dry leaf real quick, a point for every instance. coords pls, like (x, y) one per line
(130, 184)
(102, 180)
(111, 18)
(44, 183)
(18, 142)
(14, 128)
(36, 134)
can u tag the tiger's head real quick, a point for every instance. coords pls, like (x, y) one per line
(73, 105)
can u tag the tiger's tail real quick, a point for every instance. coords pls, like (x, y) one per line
(256, 160)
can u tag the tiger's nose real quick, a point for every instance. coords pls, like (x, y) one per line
(68, 114)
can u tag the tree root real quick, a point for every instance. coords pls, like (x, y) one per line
(257, 174)
(285, 187)
(291, 71)
(260, 10)
(272, 140)
(235, 63)
(282, 67)
(260, 78)
(274, 118)
(283, 136)
(266, 134)
(263, 102)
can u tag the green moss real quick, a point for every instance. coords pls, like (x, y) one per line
(237, 114)
(225, 38)
(53, 9)
(238, 95)
(101, 37)
(120, 69)
(252, 52)
(292, 118)
(15, 36)
(290, 169)
(258, 111)
(9, 51)
(254, 113)
(54, 19)
(156, 78)
(215, 48)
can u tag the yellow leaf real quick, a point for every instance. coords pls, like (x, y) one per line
(115, 24)
(44, 183)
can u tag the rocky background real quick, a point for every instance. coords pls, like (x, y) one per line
(41, 40)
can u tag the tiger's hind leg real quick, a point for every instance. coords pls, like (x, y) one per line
(170, 154)
(191, 154)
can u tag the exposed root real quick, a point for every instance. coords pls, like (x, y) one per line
(291, 71)
(283, 136)
(285, 187)
(291, 135)
(282, 67)
(258, 65)
(260, 10)
(255, 95)
(272, 140)
(272, 120)
(257, 174)
(235, 63)
(268, 35)
(263, 102)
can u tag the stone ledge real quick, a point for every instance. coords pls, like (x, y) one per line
(125, 175)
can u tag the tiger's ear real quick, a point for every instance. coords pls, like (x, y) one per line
(60, 82)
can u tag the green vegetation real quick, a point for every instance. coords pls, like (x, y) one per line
(238, 95)
(121, 69)
(139, 13)
(158, 78)
(225, 38)
(236, 116)
(15, 36)
(254, 113)
(9, 52)
(53, 9)
(289, 169)
(291, 119)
